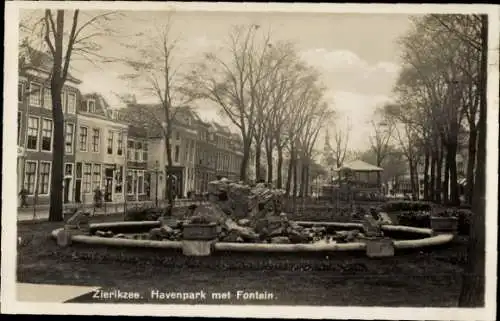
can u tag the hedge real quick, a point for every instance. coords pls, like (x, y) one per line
(400, 206)
(423, 218)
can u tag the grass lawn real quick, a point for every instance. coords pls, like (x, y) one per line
(416, 279)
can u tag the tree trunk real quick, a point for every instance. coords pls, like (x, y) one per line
(279, 178)
(246, 156)
(432, 180)
(412, 177)
(290, 172)
(169, 181)
(258, 152)
(269, 156)
(454, 195)
(439, 173)
(471, 163)
(57, 82)
(472, 294)
(295, 178)
(303, 183)
(308, 179)
(446, 181)
(426, 173)
(416, 182)
(379, 178)
(56, 180)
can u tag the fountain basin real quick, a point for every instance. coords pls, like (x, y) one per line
(422, 238)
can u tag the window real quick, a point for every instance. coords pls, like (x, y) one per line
(19, 127)
(33, 124)
(130, 149)
(130, 182)
(177, 135)
(20, 93)
(78, 170)
(110, 142)
(71, 104)
(46, 135)
(83, 138)
(43, 183)
(68, 139)
(119, 179)
(87, 172)
(96, 178)
(63, 101)
(138, 151)
(95, 140)
(176, 154)
(30, 176)
(35, 95)
(91, 106)
(47, 98)
(140, 182)
(145, 152)
(68, 169)
(120, 144)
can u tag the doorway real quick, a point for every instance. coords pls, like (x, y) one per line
(68, 180)
(78, 190)
(108, 194)
(78, 183)
(67, 187)
(108, 188)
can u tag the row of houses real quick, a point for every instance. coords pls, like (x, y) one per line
(111, 149)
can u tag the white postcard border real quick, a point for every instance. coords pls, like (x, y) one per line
(9, 219)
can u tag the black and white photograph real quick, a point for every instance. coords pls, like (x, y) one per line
(279, 160)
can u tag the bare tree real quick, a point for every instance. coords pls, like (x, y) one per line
(282, 122)
(306, 95)
(157, 73)
(281, 80)
(318, 116)
(467, 30)
(380, 139)
(445, 72)
(443, 82)
(64, 41)
(340, 143)
(408, 138)
(235, 83)
(473, 284)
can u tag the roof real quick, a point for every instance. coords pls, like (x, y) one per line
(360, 166)
(221, 129)
(30, 58)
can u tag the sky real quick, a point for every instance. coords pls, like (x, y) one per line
(357, 55)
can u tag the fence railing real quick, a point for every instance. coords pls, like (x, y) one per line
(107, 207)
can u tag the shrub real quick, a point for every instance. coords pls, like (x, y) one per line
(415, 218)
(144, 214)
(463, 216)
(200, 219)
(400, 206)
(423, 218)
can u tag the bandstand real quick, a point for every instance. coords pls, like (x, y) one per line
(355, 180)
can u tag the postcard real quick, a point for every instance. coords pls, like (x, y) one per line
(283, 160)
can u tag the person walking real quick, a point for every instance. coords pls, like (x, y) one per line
(97, 198)
(24, 196)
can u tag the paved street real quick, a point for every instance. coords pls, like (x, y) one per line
(43, 214)
(42, 211)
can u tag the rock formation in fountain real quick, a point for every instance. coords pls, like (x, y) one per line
(249, 214)
(252, 214)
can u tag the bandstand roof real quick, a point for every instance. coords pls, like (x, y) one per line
(359, 166)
